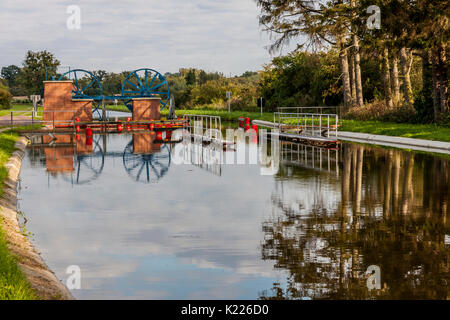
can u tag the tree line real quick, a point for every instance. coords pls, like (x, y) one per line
(409, 34)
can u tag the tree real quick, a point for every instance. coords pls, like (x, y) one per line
(324, 24)
(37, 67)
(10, 73)
(202, 77)
(191, 78)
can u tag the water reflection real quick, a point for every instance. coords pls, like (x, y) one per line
(389, 209)
(311, 231)
(145, 159)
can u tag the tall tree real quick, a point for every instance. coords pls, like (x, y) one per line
(37, 67)
(357, 56)
(320, 23)
(387, 78)
(394, 78)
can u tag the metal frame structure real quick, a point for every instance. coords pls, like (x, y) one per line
(204, 127)
(145, 82)
(307, 124)
(140, 83)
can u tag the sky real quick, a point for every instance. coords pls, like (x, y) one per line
(214, 35)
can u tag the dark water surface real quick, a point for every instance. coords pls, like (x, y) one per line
(141, 225)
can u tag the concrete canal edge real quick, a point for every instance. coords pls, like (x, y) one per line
(40, 277)
(397, 142)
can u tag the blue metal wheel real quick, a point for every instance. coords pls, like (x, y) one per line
(85, 86)
(144, 83)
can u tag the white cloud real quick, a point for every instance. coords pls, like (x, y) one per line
(222, 35)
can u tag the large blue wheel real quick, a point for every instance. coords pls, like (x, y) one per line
(85, 86)
(144, 83)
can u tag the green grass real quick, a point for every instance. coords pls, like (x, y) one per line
(119, 107)
(20, 110)
(418, 131)
(13, 284)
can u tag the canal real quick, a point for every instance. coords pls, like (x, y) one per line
(142, 224)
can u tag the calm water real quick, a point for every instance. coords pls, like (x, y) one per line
(140, 225)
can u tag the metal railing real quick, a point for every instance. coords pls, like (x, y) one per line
(307, 124)
(16, 118)
(204, 127)
(312, 109)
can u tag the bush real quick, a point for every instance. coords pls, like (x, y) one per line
(5, 98)
(378, 111)
(424, 107)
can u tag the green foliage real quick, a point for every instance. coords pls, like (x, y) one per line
(199, 89)
(10, 74)
(302, 79)
(191, 78)
(36, 67)
(5, 97)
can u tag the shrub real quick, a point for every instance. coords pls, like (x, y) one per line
(5, 98)
(378, 111)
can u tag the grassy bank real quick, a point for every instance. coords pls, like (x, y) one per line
(418, 131)
(13, 284)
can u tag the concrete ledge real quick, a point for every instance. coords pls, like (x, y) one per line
(40, 277)
(52, 81)
(399, 142)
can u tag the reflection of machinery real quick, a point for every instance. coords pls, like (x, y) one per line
(87, 163)
(90, 164)
(146, 167)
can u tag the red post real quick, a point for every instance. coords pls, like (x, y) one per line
(77, 127)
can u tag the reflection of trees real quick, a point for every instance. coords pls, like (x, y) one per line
(392, 212)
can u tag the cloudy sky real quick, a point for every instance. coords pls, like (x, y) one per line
(215, 35)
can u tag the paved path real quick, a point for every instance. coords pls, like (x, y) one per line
(17, 120)
(399, 142)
